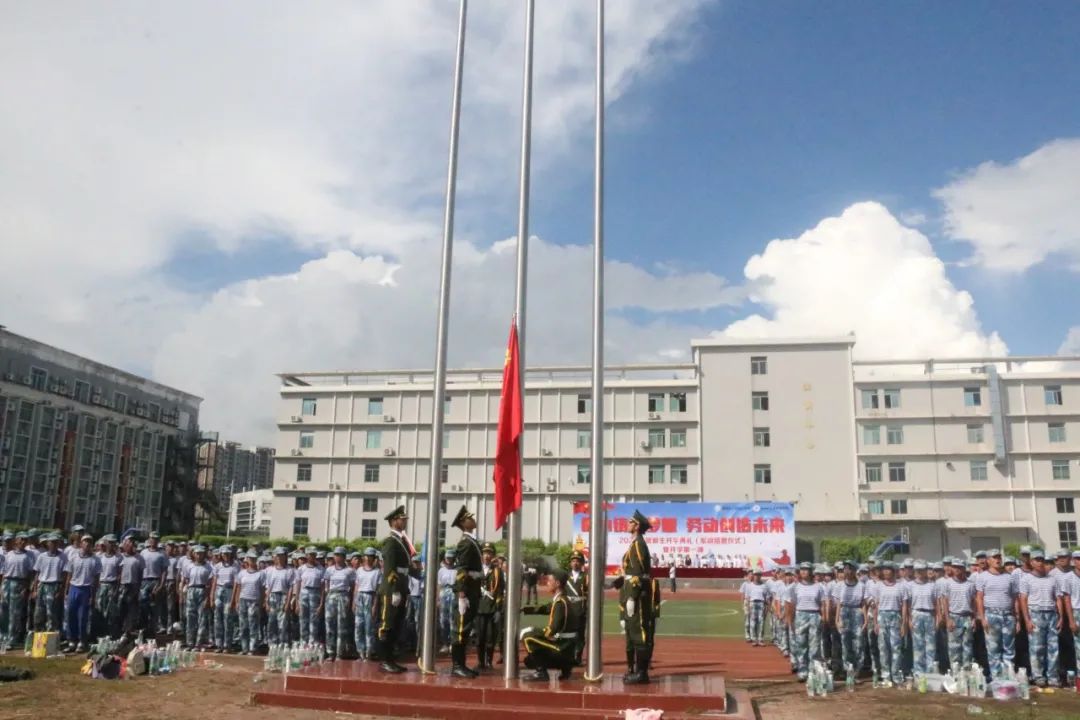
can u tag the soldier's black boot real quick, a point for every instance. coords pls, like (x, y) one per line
(389, 665)
(641, 665)
(630, 658)
(540, 675)
(457, 657)
(566, 670)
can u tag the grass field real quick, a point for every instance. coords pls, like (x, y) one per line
(679, 618)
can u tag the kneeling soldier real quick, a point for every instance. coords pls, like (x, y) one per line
(553, 646)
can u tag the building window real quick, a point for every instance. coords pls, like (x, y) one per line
(897, 472)
(301, 503)
(1052, 394)
(584, 404)
(442, 533)
(442, 505)
(299, 526)
(307, 406)
(894, 434)
(368, 528)
(972, 397)
(82, 391)
(978, 470)
(371, 473)
(898, 507)
(759, 400)
(371, 504)
(657, 437)
(678, 474)
(875, 507)
(656, 402)
(870, 399)
(759, 366)
(975, 434)
(120, 402)
(761, 437)
(892, 398)
(154, 412)
(446, 405)
(1059, 469)
(374, 439)
(763, 474)
(656, 474)
(446, 438)
(374, 406)
(1057, 432)
(307, 440)
(873, 472)
(677, 402)
(584, 439)
(871, 435)
(1067, 533)
(39, 379)
(303, 472)
(584, 472)
(1066, 505)
(444, 473)
(678, 437)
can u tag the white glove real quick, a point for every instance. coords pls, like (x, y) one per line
(622, 624)
(395, 599)
(462, 605)
(631, 606)
(525, 632)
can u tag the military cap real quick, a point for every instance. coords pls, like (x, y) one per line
(450, 553)
(1025, 549)
(806, 566)
(170, 543)
(560, 576)
(21, 535)
(7, 535)
(838, 565)
(33, 532)
(87, 537)
(909, 563)
(1076, 554)
(110, 538)
(370, 552)
(642, 521)
(398, 512)
(920, 565)
(864, 568)
(280, 550)
(888, 565)
(320, 555)
(937, 566)
(947, 560)
(1010, 560)
(199, 548)
(311, 550)
(339, 550)
(577, 555)
(226, 549)
(872, 562)
(973, 563)
(460, 517)
(1062, 553)
(155, 535)
(501, 557)
(352, 555)
(487, 547)
(77, 529)
(251, 555)
(958, 563)
(756, 571)
(1038, 554)
(264, 558)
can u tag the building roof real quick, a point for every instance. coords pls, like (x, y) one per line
(733, 342)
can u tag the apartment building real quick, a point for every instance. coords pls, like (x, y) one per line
(947, 455)
(249, 511)
(82, 442)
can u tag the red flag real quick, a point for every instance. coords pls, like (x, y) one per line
(508, 452)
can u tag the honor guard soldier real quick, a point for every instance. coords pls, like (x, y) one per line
(577, 592)
(468, 572)
(492, 592)
(397, 551)
(553, 646)
(635, 602)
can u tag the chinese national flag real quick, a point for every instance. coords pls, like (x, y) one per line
(508, 452)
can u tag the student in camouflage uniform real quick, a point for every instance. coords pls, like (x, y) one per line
(1069, 586)
(959, 599)
(1039, 600)
(15, 572)
(81, 575)
(925, 618)
(807, 600)
(46, 591)
(279, 587)
(152, 588)
(340, 583)
(197, 579)
(311, 596)
(365, 610)
(891, 613)
(997, 601)
(757, 594)
(849, 603)
(247, 601)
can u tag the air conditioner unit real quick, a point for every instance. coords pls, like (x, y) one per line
(865, 516)
(59, 425)
(645, 445)
(388, 418)
(295, 451)
(10, 377)
(388, 452)
(864, 485)
(5, 444)
(96, 398)
(552, 485)
(27, 380)
(546, 452)
(654, 416)
(296, 418)
(54, 386)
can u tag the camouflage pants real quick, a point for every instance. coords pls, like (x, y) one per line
(1043, 645)
(47, 607)
(248, 614)
(172, 605)
(757, 621)
(150, 612)
(961, 653)
(365, 625)
(310, 617)
(223, 617)
(924, 642)
(107, 607)
(889, 650)
(13, 608)
(337, 623)
(807, 640)
(197, 616)
(277, 620)
(852, 638)
(1000, 640)
(746, 619)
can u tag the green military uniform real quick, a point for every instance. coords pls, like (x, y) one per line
(492, 593)
(635, 592)
(468, 571)
(577, 593)
(393, 593)
(553, 646)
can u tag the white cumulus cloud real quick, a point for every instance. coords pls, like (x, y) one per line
(1016, 215)
(863, 272)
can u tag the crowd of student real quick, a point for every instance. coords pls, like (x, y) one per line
(895, 620)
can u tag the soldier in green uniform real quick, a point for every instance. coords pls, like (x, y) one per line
(636, 611)
(468, 572)
(577, 592)
(553, 646)
(397, 552)
(492, 592)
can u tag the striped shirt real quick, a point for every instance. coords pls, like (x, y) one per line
(998, 590)
(961, 596)
(1041, 591)
(923, 595)
(890, 598)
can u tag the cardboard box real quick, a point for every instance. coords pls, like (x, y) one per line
(46, 644)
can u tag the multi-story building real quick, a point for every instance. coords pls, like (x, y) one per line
(784, 420)
(249, 511)
(82, 442)
(227, 467)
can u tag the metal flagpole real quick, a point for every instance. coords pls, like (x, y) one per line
(431, 544)
(513, 576)
(597, 524)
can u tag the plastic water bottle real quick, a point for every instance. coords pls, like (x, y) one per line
(849, 677)
(1022, 680)
(1071, 679)
(810, 680)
